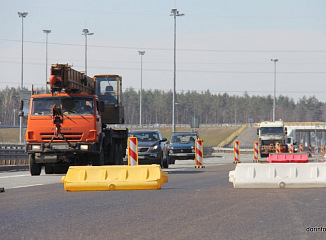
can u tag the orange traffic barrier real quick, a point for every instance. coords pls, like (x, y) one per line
(256, 151)
(301, 148)
(199, 154)
(132, 151)
(236, 150)
(277, 147)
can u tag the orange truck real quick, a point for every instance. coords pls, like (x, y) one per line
(71, 125)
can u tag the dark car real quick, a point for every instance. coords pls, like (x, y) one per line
(152, 148)
(182, 146)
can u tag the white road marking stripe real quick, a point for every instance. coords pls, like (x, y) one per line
(15, 176)
(27, 186)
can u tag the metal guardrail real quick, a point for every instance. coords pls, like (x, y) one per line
(13, 154)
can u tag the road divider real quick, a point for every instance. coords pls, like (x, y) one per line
(104, 178)
(279, 175)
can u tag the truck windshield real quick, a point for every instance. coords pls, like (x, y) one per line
(107, 88)
(271, 131)
(70, 105)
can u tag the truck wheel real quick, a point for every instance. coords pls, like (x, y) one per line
(34, 168)
(60, 169)
(118, 155)
(49, 169)
(166, 163)
(98, 159)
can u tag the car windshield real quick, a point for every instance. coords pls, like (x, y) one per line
(183, 138)
(146, 137)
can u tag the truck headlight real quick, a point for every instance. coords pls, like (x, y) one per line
(36, 147)
(84, 147)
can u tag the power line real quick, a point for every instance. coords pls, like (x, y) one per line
(179, 49)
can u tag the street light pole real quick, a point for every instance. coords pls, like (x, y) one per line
(86, 32)
(46, 59)
(141, 53)
(274, 102)
(22, 15)
(175, 13)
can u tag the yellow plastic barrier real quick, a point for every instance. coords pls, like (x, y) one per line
(104, 178)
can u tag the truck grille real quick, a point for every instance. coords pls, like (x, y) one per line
(68, 136)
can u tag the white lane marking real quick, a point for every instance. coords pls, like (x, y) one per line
(27, 186)
(15, 176)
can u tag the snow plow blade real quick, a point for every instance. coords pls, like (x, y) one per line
(105, 178)
(279, 175)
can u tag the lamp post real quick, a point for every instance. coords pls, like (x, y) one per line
(46, 59)
(274, 102)
(22, 15)
(175, 13)
(86, 32)
(141, 53)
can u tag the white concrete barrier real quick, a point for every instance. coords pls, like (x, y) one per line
(278, 175)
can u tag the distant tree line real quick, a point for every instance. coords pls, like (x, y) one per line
(212, 108)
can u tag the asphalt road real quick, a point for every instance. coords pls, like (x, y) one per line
(194, 204)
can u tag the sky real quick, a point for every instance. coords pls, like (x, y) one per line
(222, 46)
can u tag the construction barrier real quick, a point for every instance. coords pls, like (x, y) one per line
(132, 151)
(236, 151)
(316, 150)
(277, 147)
(310, 150)
(199, 153)
(288, 158)
(104, 178)
(301, 148)
(256, 151)
(291, 148)
(322, 150)
(278, 175)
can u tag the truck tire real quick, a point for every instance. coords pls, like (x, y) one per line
(49, 169)
(118, 160)
(98, 159)
(60, 169)
(34, 168)
(166, 163)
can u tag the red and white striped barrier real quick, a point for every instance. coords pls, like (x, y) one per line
(310, 150)
(301, 148)
(277, 147)
(199, 153)
(132, 151)
(291, 148)
(236, 150)
(322, 150)
(316, 150)
(256, 151)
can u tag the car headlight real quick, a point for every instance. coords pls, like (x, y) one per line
(154, 147)
(193, 150)
(171, 151)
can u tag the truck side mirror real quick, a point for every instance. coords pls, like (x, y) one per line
(102, 107)
(21, 107)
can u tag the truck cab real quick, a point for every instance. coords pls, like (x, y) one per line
(269, 133)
